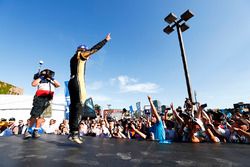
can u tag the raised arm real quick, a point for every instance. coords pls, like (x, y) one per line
(199, 113)
(120, 133)
(209, 131)
(56, 83)
(178, 118)
(87, 53)
(154, 111)
(204, 115)
(35, 82)
(138, 132)
(242, 132)
(105, 120)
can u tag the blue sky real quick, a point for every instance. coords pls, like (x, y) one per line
(140, 59)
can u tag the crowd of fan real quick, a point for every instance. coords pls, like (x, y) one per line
(192, 123)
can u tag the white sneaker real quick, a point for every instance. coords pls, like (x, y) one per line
(75, 138)
(27, 135)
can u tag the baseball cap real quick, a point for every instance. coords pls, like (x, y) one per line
(81, 47)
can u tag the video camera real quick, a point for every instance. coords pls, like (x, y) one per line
(204, 105)
(46, 73)
(188, 104)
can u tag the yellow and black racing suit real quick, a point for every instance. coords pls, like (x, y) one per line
(77, 88)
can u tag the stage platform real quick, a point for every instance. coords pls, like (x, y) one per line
(57, 151)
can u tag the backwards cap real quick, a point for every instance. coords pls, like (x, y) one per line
(81, 47)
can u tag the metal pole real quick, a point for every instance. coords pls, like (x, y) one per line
(40, 66)
(184, 61)
(195, 98)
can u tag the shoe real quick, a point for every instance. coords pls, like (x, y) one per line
(81, 138)
(36, 134)
(75, 138)
(27, 134)
(71, 134)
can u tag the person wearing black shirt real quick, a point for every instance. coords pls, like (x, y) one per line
(77, 88)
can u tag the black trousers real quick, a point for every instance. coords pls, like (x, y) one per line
(75, 108)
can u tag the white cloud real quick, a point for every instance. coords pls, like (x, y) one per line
(125, 80)
(101, 98)
(95, 85)
(127, 84)
(112, 81)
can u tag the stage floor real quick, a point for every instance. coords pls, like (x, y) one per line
(55, 150)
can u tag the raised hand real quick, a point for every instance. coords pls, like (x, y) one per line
(172, 106)
(108, 37)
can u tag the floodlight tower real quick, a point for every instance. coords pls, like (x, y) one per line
(181, 26)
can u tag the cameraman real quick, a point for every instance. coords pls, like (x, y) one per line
(46, 85)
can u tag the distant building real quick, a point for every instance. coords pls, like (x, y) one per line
(114, 113)
(157, 105)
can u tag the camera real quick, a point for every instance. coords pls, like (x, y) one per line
(188, 104)
(204, 105)
(41, 62)
(47, 73)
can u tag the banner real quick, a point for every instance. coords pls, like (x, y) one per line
(89, 109)
(131, 109)
(138, 106)
(67, 99)
(226, 112)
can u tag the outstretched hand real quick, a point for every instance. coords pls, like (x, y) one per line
(149, 98)
(108, 37)
(172, 106)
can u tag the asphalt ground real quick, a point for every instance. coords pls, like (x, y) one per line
(56, 150)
